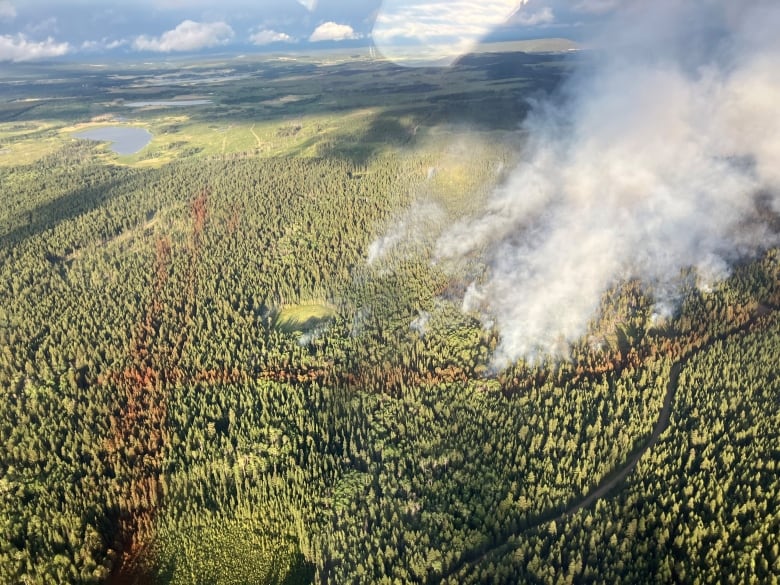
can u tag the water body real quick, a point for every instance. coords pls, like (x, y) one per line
(123, 139)
(167, 103)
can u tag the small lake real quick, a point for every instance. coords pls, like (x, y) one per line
(123, 139)
(167, 103)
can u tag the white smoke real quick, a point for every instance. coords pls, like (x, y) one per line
(420, 323)
(651, 164)
(412, 227)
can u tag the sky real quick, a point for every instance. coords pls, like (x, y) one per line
(49, 29)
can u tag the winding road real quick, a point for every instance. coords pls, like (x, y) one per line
(616, 477)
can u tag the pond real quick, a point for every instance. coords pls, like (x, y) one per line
(167, 103)
(123, 139)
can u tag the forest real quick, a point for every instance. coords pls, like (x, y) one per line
(205, 380)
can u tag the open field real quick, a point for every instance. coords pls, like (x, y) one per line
(304, 317)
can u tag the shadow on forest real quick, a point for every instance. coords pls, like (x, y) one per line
(52, 213)
(302, 572)
(359, 147)
(487, 92)
(302, 325)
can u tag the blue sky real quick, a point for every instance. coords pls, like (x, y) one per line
(46, 29)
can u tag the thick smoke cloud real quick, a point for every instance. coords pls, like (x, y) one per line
(651, 162)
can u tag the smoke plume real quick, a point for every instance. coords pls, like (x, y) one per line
(651, 161)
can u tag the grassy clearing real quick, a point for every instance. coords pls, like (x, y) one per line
(304, 317)
(26, 142)
(27, 152)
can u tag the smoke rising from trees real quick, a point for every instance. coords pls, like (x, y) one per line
(661, 154)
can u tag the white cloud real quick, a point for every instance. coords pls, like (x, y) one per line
(543, 16)
(18, 48)
(265, 37)
(308, 4)
(188, 36)
(103, 44)
(331, 31)
(7, 11)
(439, 29)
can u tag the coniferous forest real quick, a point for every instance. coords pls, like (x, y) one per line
(203, 378)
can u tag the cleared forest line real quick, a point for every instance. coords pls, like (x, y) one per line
(619, 474)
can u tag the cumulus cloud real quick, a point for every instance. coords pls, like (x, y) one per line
(188, 36)
(331, 31)
(650, 164)
(7, 11)
(438, 30)
(19, 48)
(103, 44)
(266, 36)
